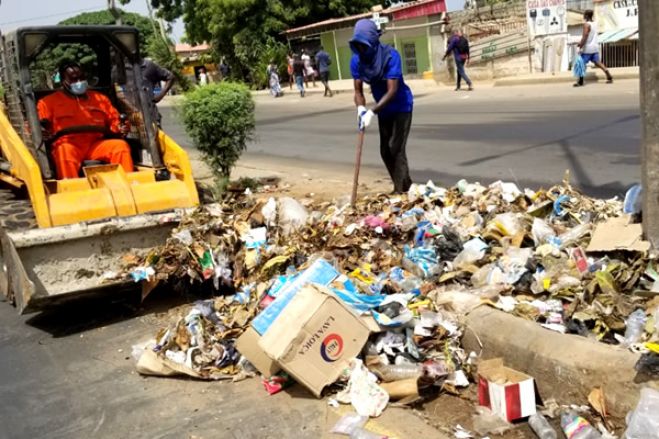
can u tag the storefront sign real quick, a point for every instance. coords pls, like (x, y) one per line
(546, 17)
(616, 14)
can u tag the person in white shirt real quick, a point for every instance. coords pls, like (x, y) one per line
(309, 71)
(203, 77)
(589, 47)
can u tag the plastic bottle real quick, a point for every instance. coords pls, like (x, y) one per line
(576, 427)
(397, 372)
(635, 327)
(541, 427)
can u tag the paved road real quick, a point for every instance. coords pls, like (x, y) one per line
(529, 134)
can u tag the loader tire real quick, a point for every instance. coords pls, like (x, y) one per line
(15, 214)
(16, 211)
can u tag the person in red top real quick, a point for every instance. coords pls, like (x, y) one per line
(76, 106)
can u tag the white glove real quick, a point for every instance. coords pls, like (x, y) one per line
(365, 117)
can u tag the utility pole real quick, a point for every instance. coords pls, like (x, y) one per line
(648, 20)
(115, 12)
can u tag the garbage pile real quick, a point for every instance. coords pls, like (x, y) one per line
(409, 267)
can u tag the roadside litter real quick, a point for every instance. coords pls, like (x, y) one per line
(367, 301)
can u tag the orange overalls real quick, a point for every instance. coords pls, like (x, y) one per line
(62, 111)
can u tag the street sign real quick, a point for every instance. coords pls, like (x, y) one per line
(379, 21)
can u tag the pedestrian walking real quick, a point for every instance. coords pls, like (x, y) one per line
(291, 77)
(298, 72)
(590, 49)
(323, 61)
(309, 71)
(380, 66)
(273, 79)
(459, 46)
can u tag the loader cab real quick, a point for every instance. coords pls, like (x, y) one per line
(110, 58)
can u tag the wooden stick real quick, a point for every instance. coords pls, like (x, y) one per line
(358, 164)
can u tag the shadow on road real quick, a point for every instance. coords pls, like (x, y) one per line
(86, 314)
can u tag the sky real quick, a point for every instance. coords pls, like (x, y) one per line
(17, 13)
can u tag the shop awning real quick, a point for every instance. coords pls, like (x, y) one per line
(616, 35)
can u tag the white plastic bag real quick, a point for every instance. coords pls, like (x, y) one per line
(292, 215)
(366, 396)
(269, 212)
(472, 251)
(643, 423)
(541, 232)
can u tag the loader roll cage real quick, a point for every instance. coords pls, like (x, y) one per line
(118, 75)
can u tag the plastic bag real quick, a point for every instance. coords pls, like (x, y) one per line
(367, 398)
(508, 224)
(573, 235)
(269, 212)
(489, 274)
(349, 423)
(292, 215)
(472, 251)
(643, 422)
(541, 231)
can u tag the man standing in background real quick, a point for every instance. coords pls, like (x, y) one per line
(154, 75)
(323, 62)
(298, 72)
(459, 45)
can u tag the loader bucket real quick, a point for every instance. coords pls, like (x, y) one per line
(44, 267)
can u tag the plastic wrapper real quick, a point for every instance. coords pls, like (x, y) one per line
(643, 422)
(349, 423)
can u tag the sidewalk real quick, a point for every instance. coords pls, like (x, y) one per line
(593, 75)
(346, 86)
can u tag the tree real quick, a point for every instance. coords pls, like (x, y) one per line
(144, 25)
(247, 32)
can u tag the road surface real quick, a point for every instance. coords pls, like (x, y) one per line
(528, 134)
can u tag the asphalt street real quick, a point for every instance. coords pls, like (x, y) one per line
(527, 134)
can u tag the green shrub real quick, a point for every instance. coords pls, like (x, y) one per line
(220, 119)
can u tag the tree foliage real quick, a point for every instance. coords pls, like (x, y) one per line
(247, 32)
(144, 25)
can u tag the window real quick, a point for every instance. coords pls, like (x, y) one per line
(409, 52)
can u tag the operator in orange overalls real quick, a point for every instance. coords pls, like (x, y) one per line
(76, 106)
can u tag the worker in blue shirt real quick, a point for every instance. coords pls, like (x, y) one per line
(380, 66)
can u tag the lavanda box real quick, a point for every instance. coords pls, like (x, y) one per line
(315, 337)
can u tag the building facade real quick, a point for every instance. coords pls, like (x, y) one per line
(415, 29)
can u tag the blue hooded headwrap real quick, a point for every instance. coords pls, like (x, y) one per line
(373, 62)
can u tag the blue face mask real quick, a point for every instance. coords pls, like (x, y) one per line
(79, 88)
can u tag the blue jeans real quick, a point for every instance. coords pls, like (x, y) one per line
(460, 67)
(299, 80)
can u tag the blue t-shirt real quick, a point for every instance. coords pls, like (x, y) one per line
(403, 101)
(323, 61)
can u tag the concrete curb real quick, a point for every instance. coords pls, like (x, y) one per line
(563, 77)
(565, 367)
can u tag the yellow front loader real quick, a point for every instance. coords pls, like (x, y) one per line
(61, 239)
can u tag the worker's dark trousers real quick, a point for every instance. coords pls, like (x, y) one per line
(394, 130)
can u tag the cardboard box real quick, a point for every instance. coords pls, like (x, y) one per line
(508, 393)
(314, 338)
(320, 272)
(248, 345)
(618, 234)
